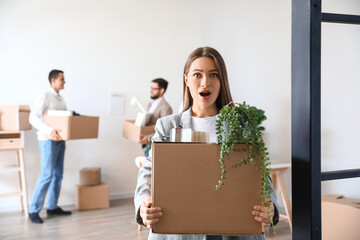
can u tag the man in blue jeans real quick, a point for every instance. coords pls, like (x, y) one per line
(52, 149)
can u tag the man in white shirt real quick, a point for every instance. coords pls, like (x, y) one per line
(52, 149)
(158, 107)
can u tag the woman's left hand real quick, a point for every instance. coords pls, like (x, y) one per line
(263, 215)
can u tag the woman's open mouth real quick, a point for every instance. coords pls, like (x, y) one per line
(205, 94)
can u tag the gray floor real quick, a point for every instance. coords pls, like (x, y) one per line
(116, 222)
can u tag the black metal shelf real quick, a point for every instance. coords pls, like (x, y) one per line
(340, 18)
(307, 19)
(341, 174)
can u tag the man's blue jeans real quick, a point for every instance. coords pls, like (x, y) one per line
(52, 166)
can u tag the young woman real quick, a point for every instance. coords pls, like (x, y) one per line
(205, 92)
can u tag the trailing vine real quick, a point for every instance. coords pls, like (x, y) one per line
(241, 123)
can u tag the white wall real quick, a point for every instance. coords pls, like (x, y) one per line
(122, 45)
(254, 37)
(256, 45)
(102, 47)
(340, 98)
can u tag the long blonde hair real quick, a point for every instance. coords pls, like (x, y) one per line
(224, 94)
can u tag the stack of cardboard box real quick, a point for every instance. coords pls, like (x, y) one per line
(91, 193)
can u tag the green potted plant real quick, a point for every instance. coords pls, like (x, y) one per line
(241, 124)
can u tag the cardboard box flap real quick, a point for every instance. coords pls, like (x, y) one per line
(183, 185)
(340, 199)
(330, 197)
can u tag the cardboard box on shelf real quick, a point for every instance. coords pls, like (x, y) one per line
(340, 217)
(184, 176)
(133, 132)
(74, 127)
(14, 117)
(90, 176)
(92, 197)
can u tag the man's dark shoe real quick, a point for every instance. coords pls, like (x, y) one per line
(34, 217)
(58, 211)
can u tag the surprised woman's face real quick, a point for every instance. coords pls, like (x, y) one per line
(203, 82)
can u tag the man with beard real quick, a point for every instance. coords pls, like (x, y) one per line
(158, 107)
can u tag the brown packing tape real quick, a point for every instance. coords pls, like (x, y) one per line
(183, 185)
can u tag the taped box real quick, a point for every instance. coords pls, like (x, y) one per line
(133, 132)
(92, 197)
(340, 218)
(14, 117)
(184, 176)
(74, 127)
(90, 176)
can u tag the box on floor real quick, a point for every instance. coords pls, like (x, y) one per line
(14, 117)
(183, 184)
(92, 197)
(340, 217)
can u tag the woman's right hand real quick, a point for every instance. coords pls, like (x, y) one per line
(150, 215)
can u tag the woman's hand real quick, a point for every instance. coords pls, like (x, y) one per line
(150, 215)
(263, 215)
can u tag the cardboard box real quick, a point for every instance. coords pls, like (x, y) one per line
(92, 197)
(133, 132)
(89, 176)
(74, 127)
(340, 218)
(184, 176)
(14, 117)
